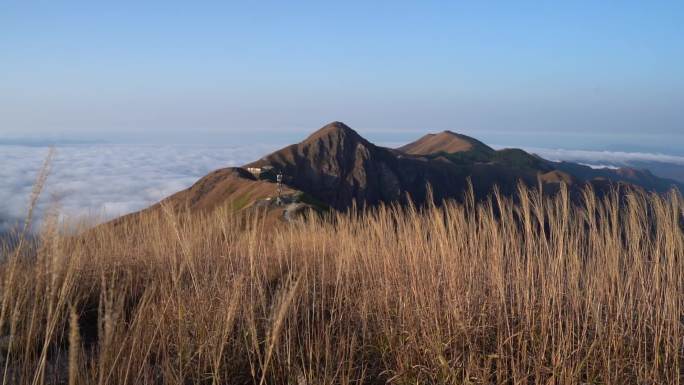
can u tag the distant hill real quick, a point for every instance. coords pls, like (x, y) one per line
(638, 177)
(444, 142)
(662, 169)
(336, 168)
(466, 150)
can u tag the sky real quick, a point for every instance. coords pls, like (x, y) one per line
(205, 71)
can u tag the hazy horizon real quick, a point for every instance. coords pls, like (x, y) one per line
(666, 144)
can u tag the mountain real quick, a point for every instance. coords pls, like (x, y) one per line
(444, 142)
(337, 168)
(336, 165)
(463, 149)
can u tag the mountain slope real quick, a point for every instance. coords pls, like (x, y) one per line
(237, 190)
(232, 186)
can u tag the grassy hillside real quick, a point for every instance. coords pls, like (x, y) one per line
(538, 292)
(511, 157)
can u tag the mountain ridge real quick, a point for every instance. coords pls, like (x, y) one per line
(336, 167)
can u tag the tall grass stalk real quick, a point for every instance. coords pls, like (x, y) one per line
(531, 290)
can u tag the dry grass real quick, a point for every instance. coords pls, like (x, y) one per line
(540, 291)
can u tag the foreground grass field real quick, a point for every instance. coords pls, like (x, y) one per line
(541, 291)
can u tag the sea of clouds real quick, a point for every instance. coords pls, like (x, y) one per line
(103, 181)
(605, 158)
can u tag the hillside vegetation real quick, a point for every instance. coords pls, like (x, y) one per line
(540, 291)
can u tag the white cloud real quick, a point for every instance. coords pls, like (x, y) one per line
(609, 158)
(662, 165)
(106, 181)
(599, 166)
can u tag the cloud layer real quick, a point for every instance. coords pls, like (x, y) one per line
(609, 158)
(662, 165)
(105, 181)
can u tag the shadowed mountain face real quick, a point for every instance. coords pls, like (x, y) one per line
(335, 167)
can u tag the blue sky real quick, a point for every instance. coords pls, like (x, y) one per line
(201, 70)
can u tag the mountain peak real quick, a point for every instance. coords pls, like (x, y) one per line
(337, 125)
(335, 128)
(337, 166)
(446, 141)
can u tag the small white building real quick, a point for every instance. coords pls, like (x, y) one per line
(256, 171)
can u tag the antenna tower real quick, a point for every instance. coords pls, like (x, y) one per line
(279, 179)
